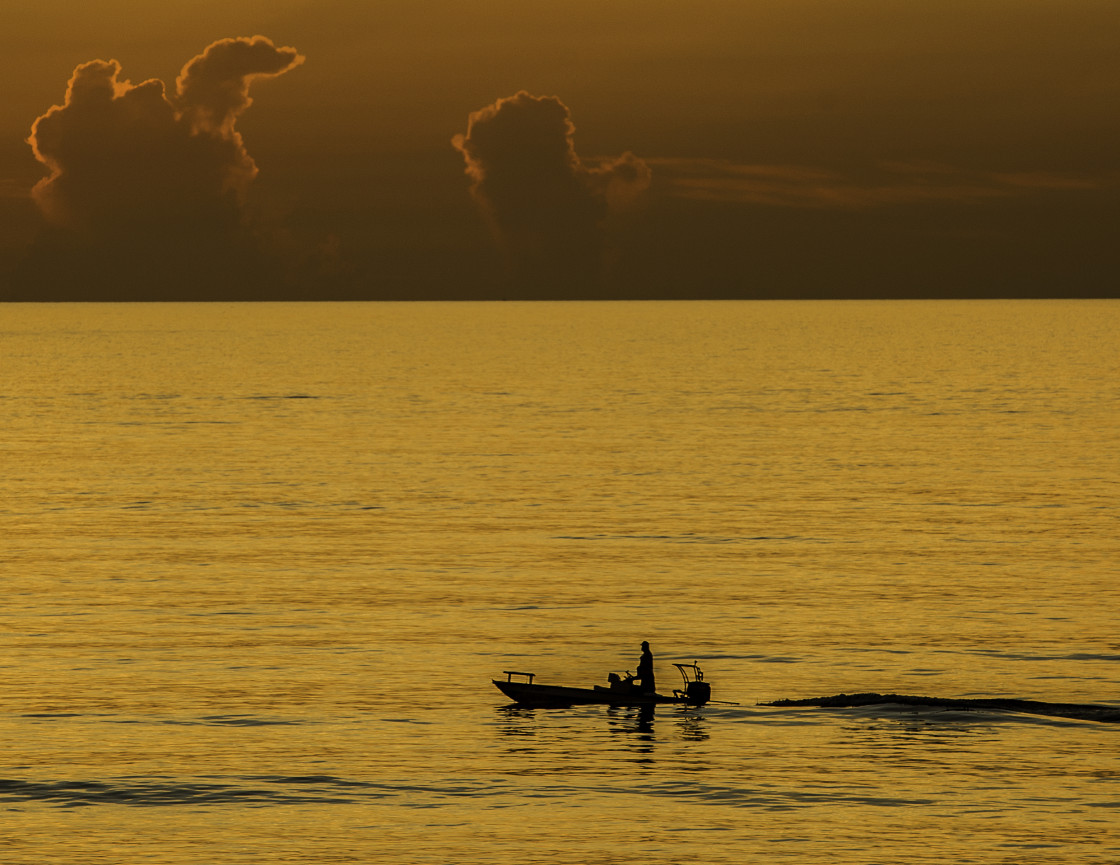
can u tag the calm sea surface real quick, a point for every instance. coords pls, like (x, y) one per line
(260, 563)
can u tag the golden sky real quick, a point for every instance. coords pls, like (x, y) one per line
(716, 148)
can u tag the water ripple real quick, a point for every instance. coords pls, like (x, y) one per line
(141, 792)
(246, 790)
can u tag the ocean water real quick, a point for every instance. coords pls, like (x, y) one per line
(261, 563)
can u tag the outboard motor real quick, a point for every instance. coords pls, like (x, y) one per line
(698, 693)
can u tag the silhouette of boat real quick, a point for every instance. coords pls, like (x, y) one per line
(620, 692)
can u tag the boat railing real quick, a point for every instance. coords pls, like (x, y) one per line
(511, 673)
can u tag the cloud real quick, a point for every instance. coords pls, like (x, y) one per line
(120, 152)
(547, 206)
(897, 183)
(133, 168)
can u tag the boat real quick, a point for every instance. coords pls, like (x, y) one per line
(620, 692)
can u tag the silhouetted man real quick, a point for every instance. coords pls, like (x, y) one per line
(645, 671)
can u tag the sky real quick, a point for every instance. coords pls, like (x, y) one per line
(437, 149)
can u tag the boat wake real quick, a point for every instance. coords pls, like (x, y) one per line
(1078, 711)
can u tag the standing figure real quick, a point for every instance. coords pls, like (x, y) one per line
(645, 671)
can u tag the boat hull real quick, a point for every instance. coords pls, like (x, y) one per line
(528, 694)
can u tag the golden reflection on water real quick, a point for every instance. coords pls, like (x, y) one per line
(262, 561)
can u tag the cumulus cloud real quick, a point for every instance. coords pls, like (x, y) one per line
(132, 164)
(124, 152)
(547, 206)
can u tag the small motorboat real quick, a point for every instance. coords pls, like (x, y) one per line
(621, 690)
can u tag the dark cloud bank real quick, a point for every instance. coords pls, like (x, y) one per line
(146, 192)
